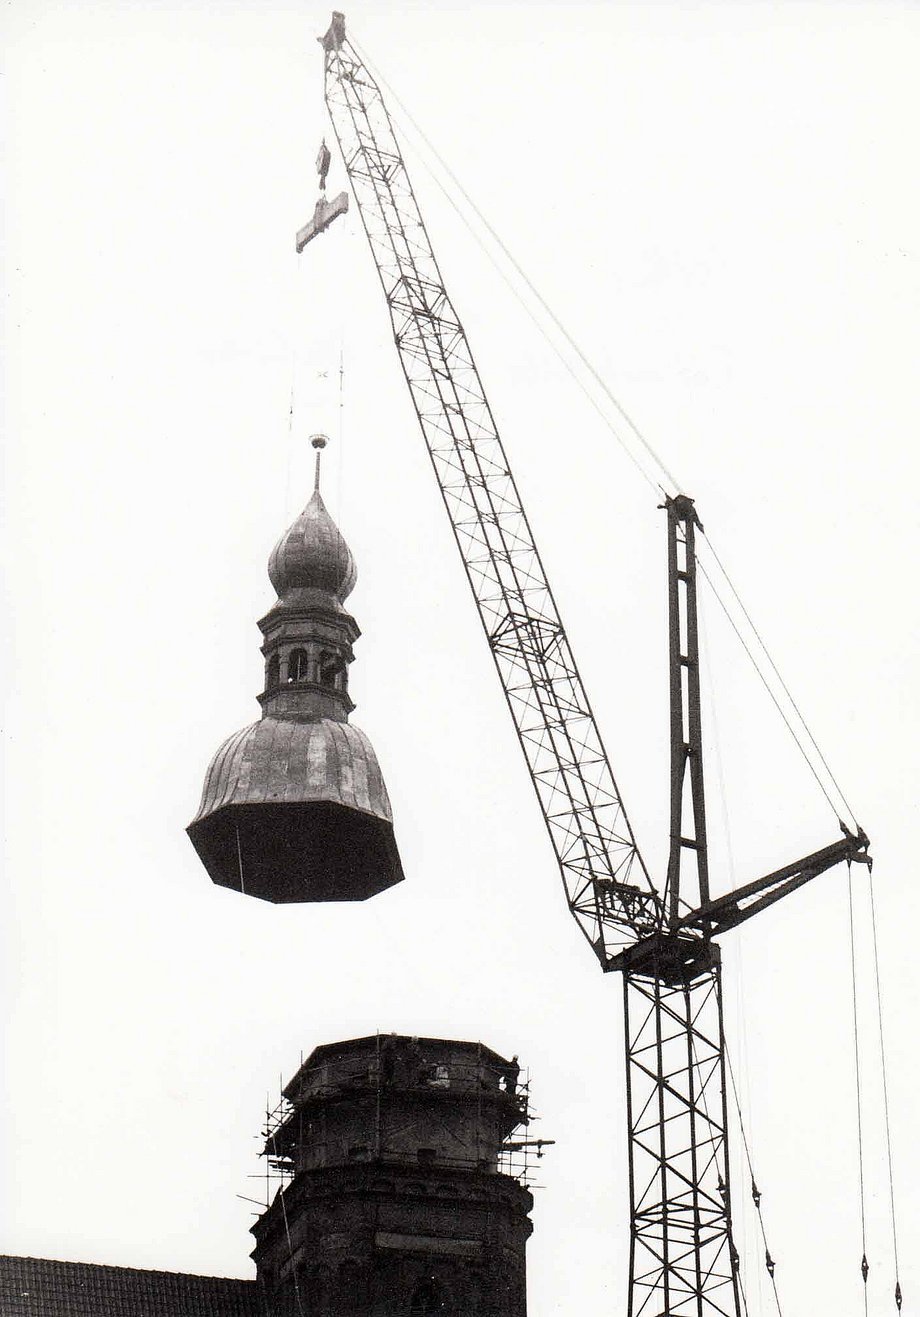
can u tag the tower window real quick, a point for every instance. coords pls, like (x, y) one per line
(297, 665)
(330, 666)
(273, 673)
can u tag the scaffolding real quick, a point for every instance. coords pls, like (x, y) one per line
(382, 1085)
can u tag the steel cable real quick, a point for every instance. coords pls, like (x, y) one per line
(767, 687)
(864, 1265)
(881, 1039)
(755, 1193)
(779, 678)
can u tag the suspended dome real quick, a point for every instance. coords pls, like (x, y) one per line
(312, 555)
(294, 807)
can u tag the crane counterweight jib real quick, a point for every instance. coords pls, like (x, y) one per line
(725, 912)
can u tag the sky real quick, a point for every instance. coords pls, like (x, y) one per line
(721, 204)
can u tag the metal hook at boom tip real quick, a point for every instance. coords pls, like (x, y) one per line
(335, 35)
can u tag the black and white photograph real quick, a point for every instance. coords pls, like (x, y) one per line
(461, 665)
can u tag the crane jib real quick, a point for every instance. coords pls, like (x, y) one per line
(607, 885)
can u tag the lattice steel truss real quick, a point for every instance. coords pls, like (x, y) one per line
(606, 882)
(683, 1259)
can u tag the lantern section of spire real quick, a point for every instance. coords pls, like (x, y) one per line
(294, 807)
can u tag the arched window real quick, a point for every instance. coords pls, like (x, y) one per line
(330, 666)
(273, 673)
(297, 665)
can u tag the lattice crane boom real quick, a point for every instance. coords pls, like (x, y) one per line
(606, 882)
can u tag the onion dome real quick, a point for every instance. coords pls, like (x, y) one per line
(312, 554)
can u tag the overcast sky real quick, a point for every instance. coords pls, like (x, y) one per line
(721, 202)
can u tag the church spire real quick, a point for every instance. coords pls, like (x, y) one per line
(319, 442)
(294, 808)
(308, 634)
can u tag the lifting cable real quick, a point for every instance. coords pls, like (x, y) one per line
(756, 1195)
(733, 1251)
(881, 1040)
(239, 860)
(666, 478)
(864, 1265)
(288, 455)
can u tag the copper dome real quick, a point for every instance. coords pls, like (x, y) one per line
(313, 555)
(297, 811)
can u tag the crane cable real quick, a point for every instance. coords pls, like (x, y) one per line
(881, 1038)
(785, 689)
(770, 691)
(864, 1265)
(756, 1195)
(658, 485)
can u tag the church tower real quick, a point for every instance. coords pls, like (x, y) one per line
(405, 1198)
(294, 807)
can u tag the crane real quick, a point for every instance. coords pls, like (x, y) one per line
(660, 937)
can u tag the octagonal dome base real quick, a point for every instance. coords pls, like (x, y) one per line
(315, 851)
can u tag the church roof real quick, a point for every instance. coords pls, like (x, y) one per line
(43, 1287)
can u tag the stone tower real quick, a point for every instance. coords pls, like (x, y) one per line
(294, 807)
(399, 1201)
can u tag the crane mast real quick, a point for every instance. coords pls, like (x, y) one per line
(682, 1257)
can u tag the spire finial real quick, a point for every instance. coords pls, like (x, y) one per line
(319, 442)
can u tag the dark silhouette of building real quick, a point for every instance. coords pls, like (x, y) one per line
(399, 1202)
